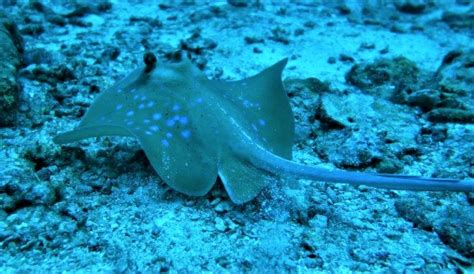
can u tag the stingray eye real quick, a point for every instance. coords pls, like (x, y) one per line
(150, 61)
(174, 56)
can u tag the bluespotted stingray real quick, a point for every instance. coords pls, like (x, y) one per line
(193, 129)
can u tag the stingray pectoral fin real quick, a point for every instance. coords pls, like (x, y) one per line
(183, 165)
(266, 108)
(88, 132)
(241, 179)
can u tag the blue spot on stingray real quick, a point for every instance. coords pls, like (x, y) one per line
(143, 98)
(154, 128)
(141, 106)
(135, 97)
(119, 107)
(129, 123)
(150, 104)
(186, 133)
(199, 100)
(133, 90)
(183, 120)
(170, 122)
(262, 122)
(169, 135)
(148, 132)
(165, 143)
(156, 116)
(247, 104)
(130, 113)
(176, 107)
(146, 121)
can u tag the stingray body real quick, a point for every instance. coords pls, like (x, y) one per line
(193, 129)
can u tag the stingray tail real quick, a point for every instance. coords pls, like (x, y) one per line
(277, 165)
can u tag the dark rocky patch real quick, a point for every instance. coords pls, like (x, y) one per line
(11, 49)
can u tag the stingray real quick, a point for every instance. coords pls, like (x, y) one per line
(193, 130)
